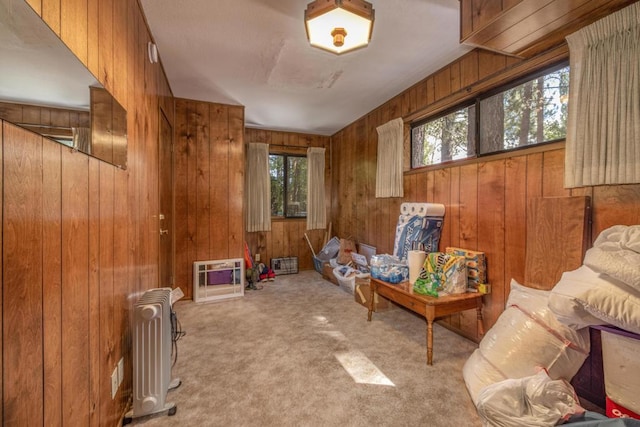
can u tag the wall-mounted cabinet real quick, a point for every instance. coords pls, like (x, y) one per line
(527, 27)
(219, 279)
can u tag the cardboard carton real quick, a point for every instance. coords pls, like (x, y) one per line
(362, 293)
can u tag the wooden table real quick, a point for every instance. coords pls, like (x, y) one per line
(430, 307)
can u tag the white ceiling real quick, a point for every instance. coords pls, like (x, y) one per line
(255, 53)
(35, 67)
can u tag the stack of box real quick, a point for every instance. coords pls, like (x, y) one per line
(476, 269)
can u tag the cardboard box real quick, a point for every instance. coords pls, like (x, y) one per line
(476, 266)
(327, 273)
(362, 293)
(366, 250)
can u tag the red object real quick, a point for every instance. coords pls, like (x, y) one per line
(248, 261)
(615, 410)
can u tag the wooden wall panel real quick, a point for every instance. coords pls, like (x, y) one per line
(52, 283)
(180, 189)
(209, 184)
(615, 204)
(106, 269)
(491, 230)
(74, 26)
(553, 174)
(75, 289)
(515, 208)
(23, 273)
(105, 43)
(95, 344)
(95, 251)
(220, 170)
(192, 196)
(119, 71)
(204, 165)
(236, 180)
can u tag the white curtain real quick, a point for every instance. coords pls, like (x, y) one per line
(603, 126)
(390, 166)
(316, 208)
(258, 188)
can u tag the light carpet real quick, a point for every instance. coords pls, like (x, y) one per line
(300, 352)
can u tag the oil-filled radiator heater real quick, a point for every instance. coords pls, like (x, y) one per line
(152, 344)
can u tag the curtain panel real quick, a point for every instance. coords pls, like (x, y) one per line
(603, 125)
(316, 207)
(389, 174)
(258, 188)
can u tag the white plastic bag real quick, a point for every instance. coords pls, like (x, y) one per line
(531, 401)
(526, 337)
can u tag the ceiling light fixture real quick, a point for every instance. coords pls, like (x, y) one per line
(339, 26)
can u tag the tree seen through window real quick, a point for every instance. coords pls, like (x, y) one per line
(288, 183)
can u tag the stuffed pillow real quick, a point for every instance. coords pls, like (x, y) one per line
(584, 297)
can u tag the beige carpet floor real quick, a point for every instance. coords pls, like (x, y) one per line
(300, 352)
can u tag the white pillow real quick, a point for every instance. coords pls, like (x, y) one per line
(584, 297)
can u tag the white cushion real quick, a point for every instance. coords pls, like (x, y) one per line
(584, 297)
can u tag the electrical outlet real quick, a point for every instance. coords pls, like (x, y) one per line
(257, 257)
(114, 383)
(120, 371)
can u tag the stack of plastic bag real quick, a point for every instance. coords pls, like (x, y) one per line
(526, 338)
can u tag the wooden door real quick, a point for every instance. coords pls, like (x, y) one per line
(166, 201)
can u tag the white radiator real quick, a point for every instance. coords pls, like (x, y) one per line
(152, 353)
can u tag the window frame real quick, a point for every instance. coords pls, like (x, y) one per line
(465, 104)
(476, 100)
(504, 88)
(285, 185)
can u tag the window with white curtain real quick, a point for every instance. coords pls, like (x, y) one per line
(603, 126)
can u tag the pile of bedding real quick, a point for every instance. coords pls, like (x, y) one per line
(546, 330)
(606, 289)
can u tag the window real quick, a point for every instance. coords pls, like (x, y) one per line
(532, 111)
(288, 185)
(449, 137)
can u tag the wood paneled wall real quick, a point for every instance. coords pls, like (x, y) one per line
(286, 237)
(80, 236)
(46, 116)
(485, 199)
(209, 185)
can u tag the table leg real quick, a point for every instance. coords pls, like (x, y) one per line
(429, 341)
(371, 300)
(480, 322)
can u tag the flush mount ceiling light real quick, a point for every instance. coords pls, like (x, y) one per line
(339, 26)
